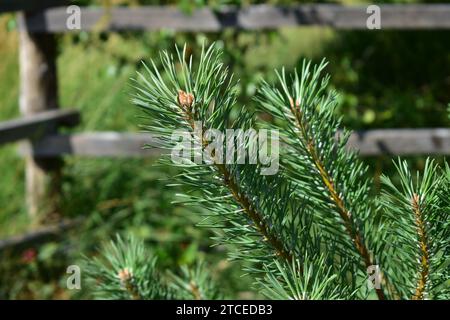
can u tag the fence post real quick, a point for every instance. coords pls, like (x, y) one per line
(39, 92)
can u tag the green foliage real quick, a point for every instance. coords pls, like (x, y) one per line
(373, 73)
(316, 212)
(194, 283)
(306, 281)
(329, 177)
(385, 79)
(127, 270)
(263, 231)
(419, 226)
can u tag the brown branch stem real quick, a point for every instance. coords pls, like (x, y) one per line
(195, 291)
(425, 257)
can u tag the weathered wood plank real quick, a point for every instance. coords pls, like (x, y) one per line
(420, 16)
(401, 142)
(113, 144)
(99, 144)
(36, 126)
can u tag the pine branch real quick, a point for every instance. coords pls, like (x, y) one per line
(419, 224)
(423, 244)
(253, 212)
(350, 226)
(127, 270)
(210, 88)
(195, 283)
(312, 279)
(324, 164)
(318, 211)
(185, 101)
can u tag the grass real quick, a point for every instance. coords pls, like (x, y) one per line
(12, 213)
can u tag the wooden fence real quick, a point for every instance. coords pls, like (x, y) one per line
(418, 16)
(39, 20)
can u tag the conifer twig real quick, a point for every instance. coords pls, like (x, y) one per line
(195, 291)
(317, 212)
(186, 100)
(126, 279)
(425, 257)
(344, 213)
(418, 214)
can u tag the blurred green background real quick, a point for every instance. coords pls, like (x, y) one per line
(386, 79)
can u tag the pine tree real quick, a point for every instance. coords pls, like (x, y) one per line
(126, 270)
(311, 231)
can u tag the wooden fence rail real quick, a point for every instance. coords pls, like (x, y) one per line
(255, 17)
(122, 145)
(37, 126)
(115, 144)
(38, 236)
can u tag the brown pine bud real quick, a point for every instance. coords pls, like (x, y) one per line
(125, 275)
(185, 99)
(415, 202)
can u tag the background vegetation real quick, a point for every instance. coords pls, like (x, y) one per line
(386, 79)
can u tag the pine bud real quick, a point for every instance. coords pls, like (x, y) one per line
(125, 275)
(415, 201)
(185, 99)
(297, 102)
(126, 279)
